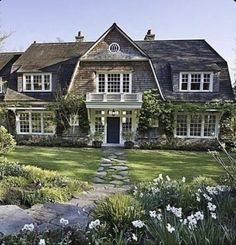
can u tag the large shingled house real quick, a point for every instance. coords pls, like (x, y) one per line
(113, 72)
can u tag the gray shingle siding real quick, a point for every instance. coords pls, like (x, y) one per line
(169, 57)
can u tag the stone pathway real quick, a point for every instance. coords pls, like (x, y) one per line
(112, 177)
(112, 169)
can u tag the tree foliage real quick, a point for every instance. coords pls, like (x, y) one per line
(67, 106)
(7, 142)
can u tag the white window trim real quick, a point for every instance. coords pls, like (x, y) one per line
(121, 82)
(201, 84)
(30, 123)
(1, 85)
(32, 82)
(202, 127)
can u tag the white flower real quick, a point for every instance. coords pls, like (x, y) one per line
(134, 237)
(183, 179)
(28, 227)
(168, 207)
(199, 215)
(64, 221)
(199, 190)
(141, 195)
(168, 178)
(192, 222)
(198, 197)
(155, 190)
(94, 224)
(213, 215)
(131, 208)
(207, 197)
(170, 228)
(159, 216)
(185, 221)
(42, 242)
(138, 223)
(211, 206)
(212, 190)
(153, 214)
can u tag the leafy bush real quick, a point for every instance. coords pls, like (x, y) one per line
(15, 181)
(7, 142)
(202, 181)
(28, 185)
(37, 174)
(118, 210)
(12, 169)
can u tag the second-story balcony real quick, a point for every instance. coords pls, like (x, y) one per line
(106, 100)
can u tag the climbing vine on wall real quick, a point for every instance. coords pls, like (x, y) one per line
(66, 106)
(155, 108)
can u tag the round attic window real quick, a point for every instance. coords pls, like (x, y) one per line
(114, 47)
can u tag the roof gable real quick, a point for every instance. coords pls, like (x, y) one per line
(128, 48)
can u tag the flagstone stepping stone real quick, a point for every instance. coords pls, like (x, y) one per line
(119, 168)
(119, 177)
(105, 164)
(101, 174)
(127, 181)
(119, 161)
(98, 180)
(123, 173)
(100, 169)
(106, 160)
(117, 182)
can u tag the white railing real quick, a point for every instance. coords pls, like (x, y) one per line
(115, 97)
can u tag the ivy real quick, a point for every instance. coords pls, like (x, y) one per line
(153, 108)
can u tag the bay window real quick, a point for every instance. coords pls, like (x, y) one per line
(196, 125)
(37, 82)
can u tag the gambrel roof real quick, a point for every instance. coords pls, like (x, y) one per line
(167, 56)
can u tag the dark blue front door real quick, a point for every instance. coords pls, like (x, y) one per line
(113, 130)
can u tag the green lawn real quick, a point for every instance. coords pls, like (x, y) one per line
(147, 164)
(79, 163)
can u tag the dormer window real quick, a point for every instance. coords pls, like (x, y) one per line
(196, 81)
(37, 82)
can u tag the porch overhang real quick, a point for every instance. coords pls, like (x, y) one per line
(114, 105)
(114, 100)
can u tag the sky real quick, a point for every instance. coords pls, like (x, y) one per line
(50, 20)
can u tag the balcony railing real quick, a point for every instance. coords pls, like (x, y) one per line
(114, 97)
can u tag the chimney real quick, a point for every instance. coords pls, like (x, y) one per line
(149, 36)
(79, 37)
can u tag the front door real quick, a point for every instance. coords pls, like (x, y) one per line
(113, 130)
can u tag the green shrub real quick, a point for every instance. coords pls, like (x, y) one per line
(202, 181)
(118, 210)
(14, 181)
(54, 194)
(7, 142)
(37, 174)
(12, 169)
(12, 195)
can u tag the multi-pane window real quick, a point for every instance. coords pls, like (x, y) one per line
(99, 121)
(36, 123)
(198, 81)
(197, 125)
(101, 83)
(37, 82)
(24, 123)
(126, 83)
(114, 83)
(99, 124)
(126, 121)
(209, 125)
(181, 125)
